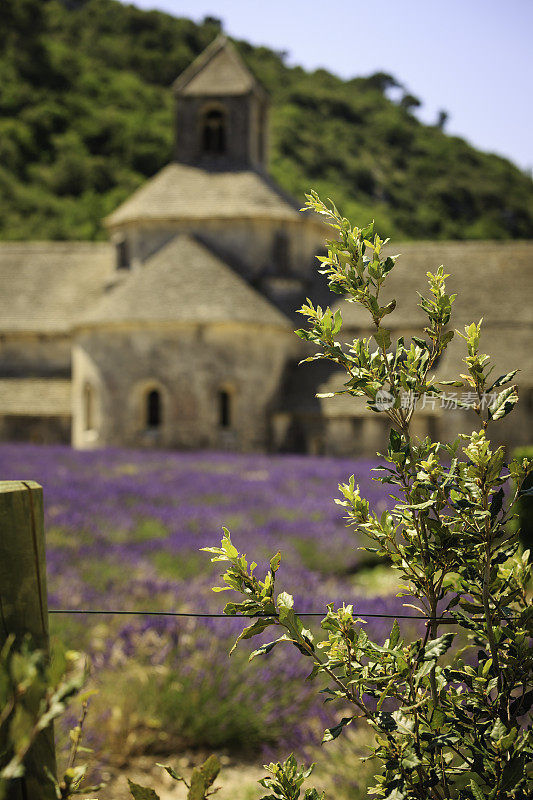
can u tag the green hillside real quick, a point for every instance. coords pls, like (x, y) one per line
(86, 117)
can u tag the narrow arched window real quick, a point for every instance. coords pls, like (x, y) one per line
(89, 402)
(214, 132)
(224, 409)
(123, 254)
(153, 409)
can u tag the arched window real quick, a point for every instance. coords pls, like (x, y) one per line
(123, 254)
(153, 409)
(214, 132)
(224, 409)
(89, 410)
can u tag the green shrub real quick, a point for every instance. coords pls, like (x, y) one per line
(447, 722)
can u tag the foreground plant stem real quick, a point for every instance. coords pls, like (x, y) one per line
(437, 734)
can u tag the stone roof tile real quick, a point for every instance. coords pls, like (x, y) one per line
(182, 192)
(219, 70)
(184, 282)
(493, 280)
(46, 286)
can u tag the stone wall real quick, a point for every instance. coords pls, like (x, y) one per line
(246, 244)
(189, 366)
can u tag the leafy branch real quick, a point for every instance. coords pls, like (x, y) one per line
(449, 722)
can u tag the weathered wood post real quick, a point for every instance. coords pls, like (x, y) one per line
(24, 608)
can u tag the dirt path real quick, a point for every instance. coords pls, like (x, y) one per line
(237, 781)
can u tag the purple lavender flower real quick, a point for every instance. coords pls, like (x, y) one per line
(124, 530)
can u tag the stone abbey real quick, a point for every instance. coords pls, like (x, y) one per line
(179, 332)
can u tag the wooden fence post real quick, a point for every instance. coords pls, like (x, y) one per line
(24, 609)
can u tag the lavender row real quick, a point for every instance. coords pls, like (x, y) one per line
(124, 530)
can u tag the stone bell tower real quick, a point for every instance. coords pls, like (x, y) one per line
(221, 112)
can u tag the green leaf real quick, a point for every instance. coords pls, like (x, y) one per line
(275, 561)
(437, 717)
(446, 339)
(496, 503)
(498, 730)
(172, 772)
(502, 380)
(383, 338)
(142, 792)
(476, 791)
(312, 794)
(266, 648)
(289, 620)
(386, 721)
(285, 601)
(395, 634)
(395, 441)
(253, 630)
(332, 733)
(437, 647)
(508, 740)
(386, 692)
(503, 403)
(423, 670)
(411, 760)
(512, 772)
(389, 308)
(397, 793)
(202, 778)
(210, 769)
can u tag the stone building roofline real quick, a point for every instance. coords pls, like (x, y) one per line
(186, 192)
(183, 283)
(492, 279)
(218, 70)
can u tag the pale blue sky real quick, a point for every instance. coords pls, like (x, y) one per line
(472, 58)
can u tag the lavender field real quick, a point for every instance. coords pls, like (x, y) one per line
(124, 530)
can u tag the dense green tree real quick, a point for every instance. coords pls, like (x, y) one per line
(86, 117)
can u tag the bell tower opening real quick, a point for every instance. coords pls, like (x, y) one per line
(214, 138)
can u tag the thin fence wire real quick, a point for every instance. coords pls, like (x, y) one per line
(121, 612)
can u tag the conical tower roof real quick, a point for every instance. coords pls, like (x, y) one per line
(218, 70)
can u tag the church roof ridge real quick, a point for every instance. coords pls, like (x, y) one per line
(186, 192)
